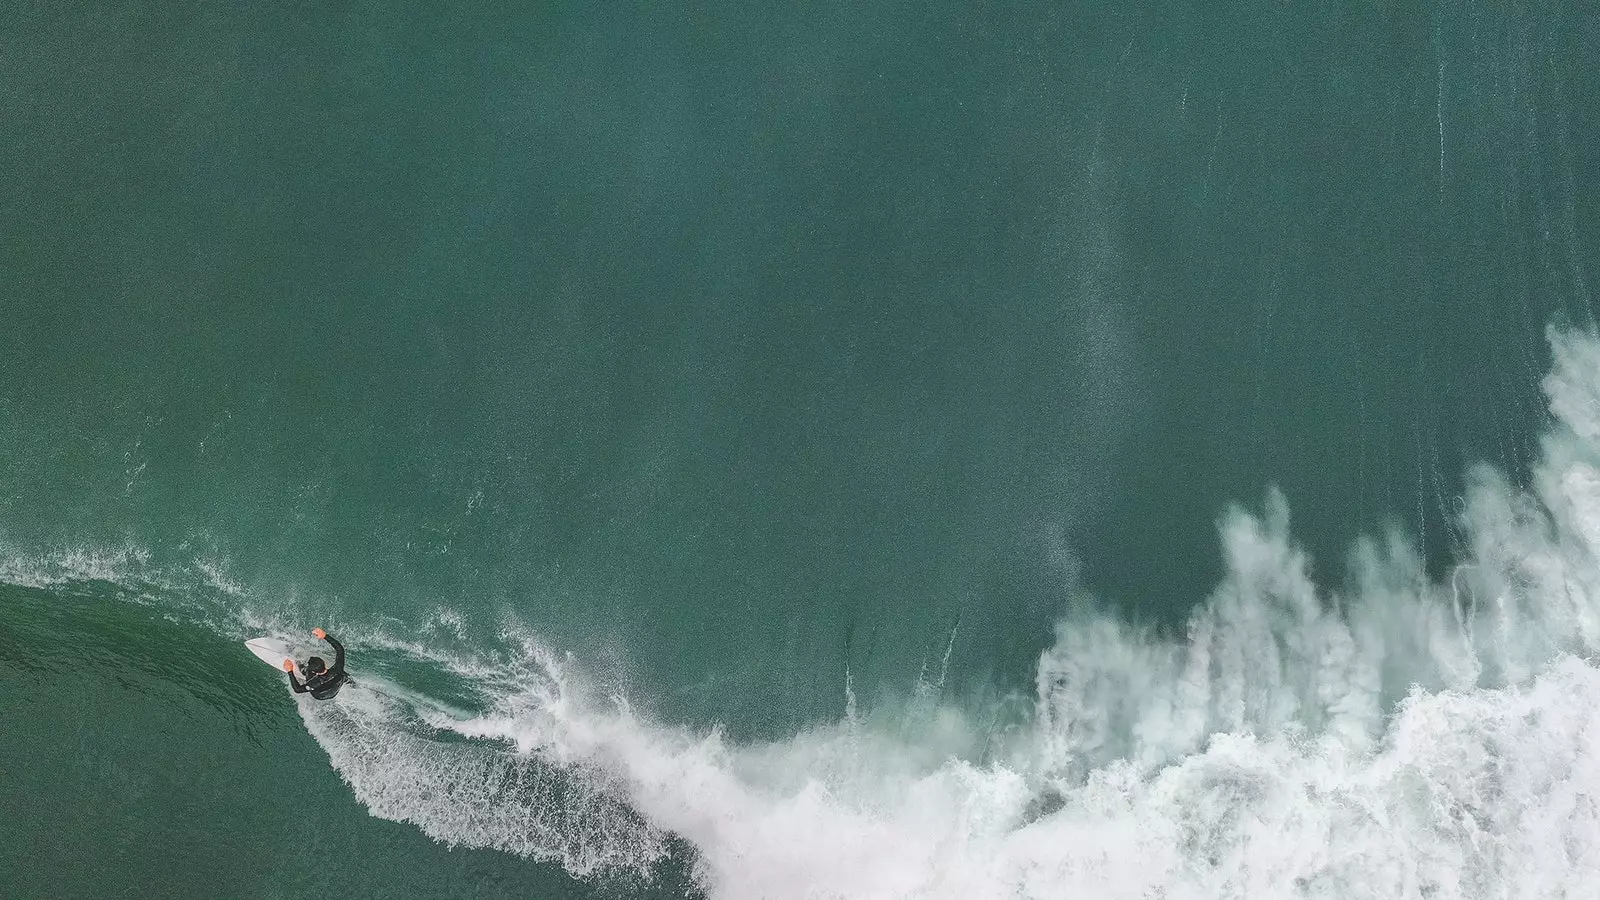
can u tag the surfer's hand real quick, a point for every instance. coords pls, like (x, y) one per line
(319, 633)
(288, 665)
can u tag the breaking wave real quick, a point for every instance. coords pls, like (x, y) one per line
(1396, 737)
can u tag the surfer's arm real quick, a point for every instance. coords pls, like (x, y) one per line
(338, 654)
(295, 682)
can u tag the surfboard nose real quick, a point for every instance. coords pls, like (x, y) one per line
(271, 651)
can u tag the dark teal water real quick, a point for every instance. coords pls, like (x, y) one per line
(771, 367)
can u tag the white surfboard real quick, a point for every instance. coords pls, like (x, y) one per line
(271, 651)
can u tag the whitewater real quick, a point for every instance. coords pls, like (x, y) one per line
(1392, 736)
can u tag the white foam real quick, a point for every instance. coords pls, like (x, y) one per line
(477, 793)
(1480, 793)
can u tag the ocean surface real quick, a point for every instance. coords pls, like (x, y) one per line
(843, 450)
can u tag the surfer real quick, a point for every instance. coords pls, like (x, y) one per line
(321, 681)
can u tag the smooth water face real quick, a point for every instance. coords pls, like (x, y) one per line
(784, 451)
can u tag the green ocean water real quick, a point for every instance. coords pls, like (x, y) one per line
(770, 367)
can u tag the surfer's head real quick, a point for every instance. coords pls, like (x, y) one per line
(315, 665)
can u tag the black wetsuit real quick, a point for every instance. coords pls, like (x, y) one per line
(324, 684)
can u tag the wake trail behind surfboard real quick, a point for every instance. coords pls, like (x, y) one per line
(429, 709)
